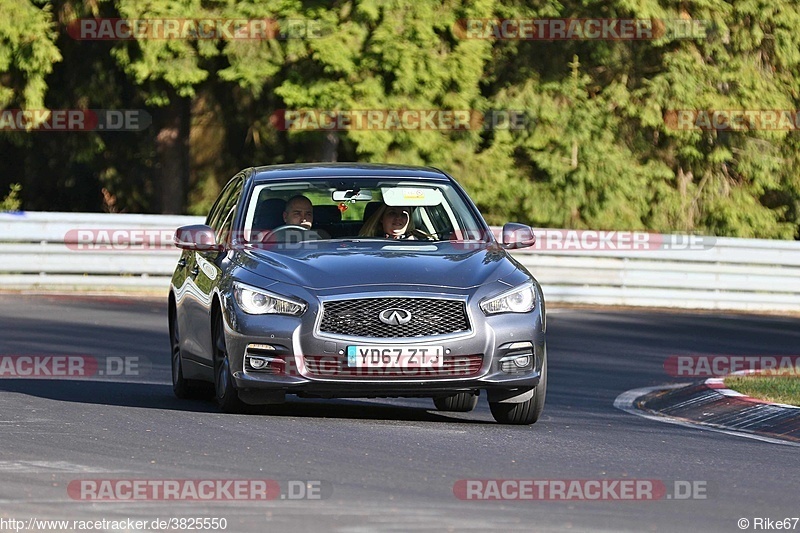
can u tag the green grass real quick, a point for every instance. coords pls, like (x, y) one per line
(777, 388)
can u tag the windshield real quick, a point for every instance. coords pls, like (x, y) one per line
(379, 208)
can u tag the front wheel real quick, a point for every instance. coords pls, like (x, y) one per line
(463, 402)
(526, 412)
(224, 386)
(180, 385)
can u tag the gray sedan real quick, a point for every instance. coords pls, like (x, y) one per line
(356, 281)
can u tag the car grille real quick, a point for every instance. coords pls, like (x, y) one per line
(359, 317)
(328, 366)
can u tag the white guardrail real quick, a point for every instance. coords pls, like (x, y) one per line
(47, 251)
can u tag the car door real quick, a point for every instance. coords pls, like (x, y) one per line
(204, 273)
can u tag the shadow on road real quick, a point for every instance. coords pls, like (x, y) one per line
(158, 396)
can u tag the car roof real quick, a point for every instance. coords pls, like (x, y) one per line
(346, 170)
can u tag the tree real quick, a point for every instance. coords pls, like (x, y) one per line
(600, 148)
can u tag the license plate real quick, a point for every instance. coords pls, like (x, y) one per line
(384, 356)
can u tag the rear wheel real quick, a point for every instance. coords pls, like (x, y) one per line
(526, 412)
(224, 386)
(180, 386)
(463, 402)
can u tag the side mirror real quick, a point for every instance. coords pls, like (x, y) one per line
(197, 237)
(517, 236)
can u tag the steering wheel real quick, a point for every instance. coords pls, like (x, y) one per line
(280, 233)
(423, 235)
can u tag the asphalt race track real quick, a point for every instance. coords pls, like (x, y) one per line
(380, 465)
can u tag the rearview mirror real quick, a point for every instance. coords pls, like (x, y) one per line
(352, 196)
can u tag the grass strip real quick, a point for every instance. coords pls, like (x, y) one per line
(783, 387)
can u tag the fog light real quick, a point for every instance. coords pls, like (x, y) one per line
(522, 362)
(514, 364)
(264, 364)
(265, 358)
(257, 363)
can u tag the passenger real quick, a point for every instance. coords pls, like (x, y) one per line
(391, 222)
(299, 212)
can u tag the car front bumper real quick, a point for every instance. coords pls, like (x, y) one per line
(293, 343)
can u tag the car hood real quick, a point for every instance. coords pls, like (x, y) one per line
(340, 264)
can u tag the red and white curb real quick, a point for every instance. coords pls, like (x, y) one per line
(629, 402)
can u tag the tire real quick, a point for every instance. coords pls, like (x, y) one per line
(180, 385)
(224, 386)
(463, 402)
(526, 412)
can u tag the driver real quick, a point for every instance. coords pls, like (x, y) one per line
(299, 212)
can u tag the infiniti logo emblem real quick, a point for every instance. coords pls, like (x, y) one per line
(395, 316)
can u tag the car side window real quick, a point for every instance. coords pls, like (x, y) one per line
(217, 213)
(228, 212)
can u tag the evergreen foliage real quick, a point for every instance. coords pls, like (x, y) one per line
(599, 149)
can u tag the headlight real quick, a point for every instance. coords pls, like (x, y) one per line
(517, 300)
(261, 302)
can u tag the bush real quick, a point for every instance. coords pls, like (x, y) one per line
(12, 202)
